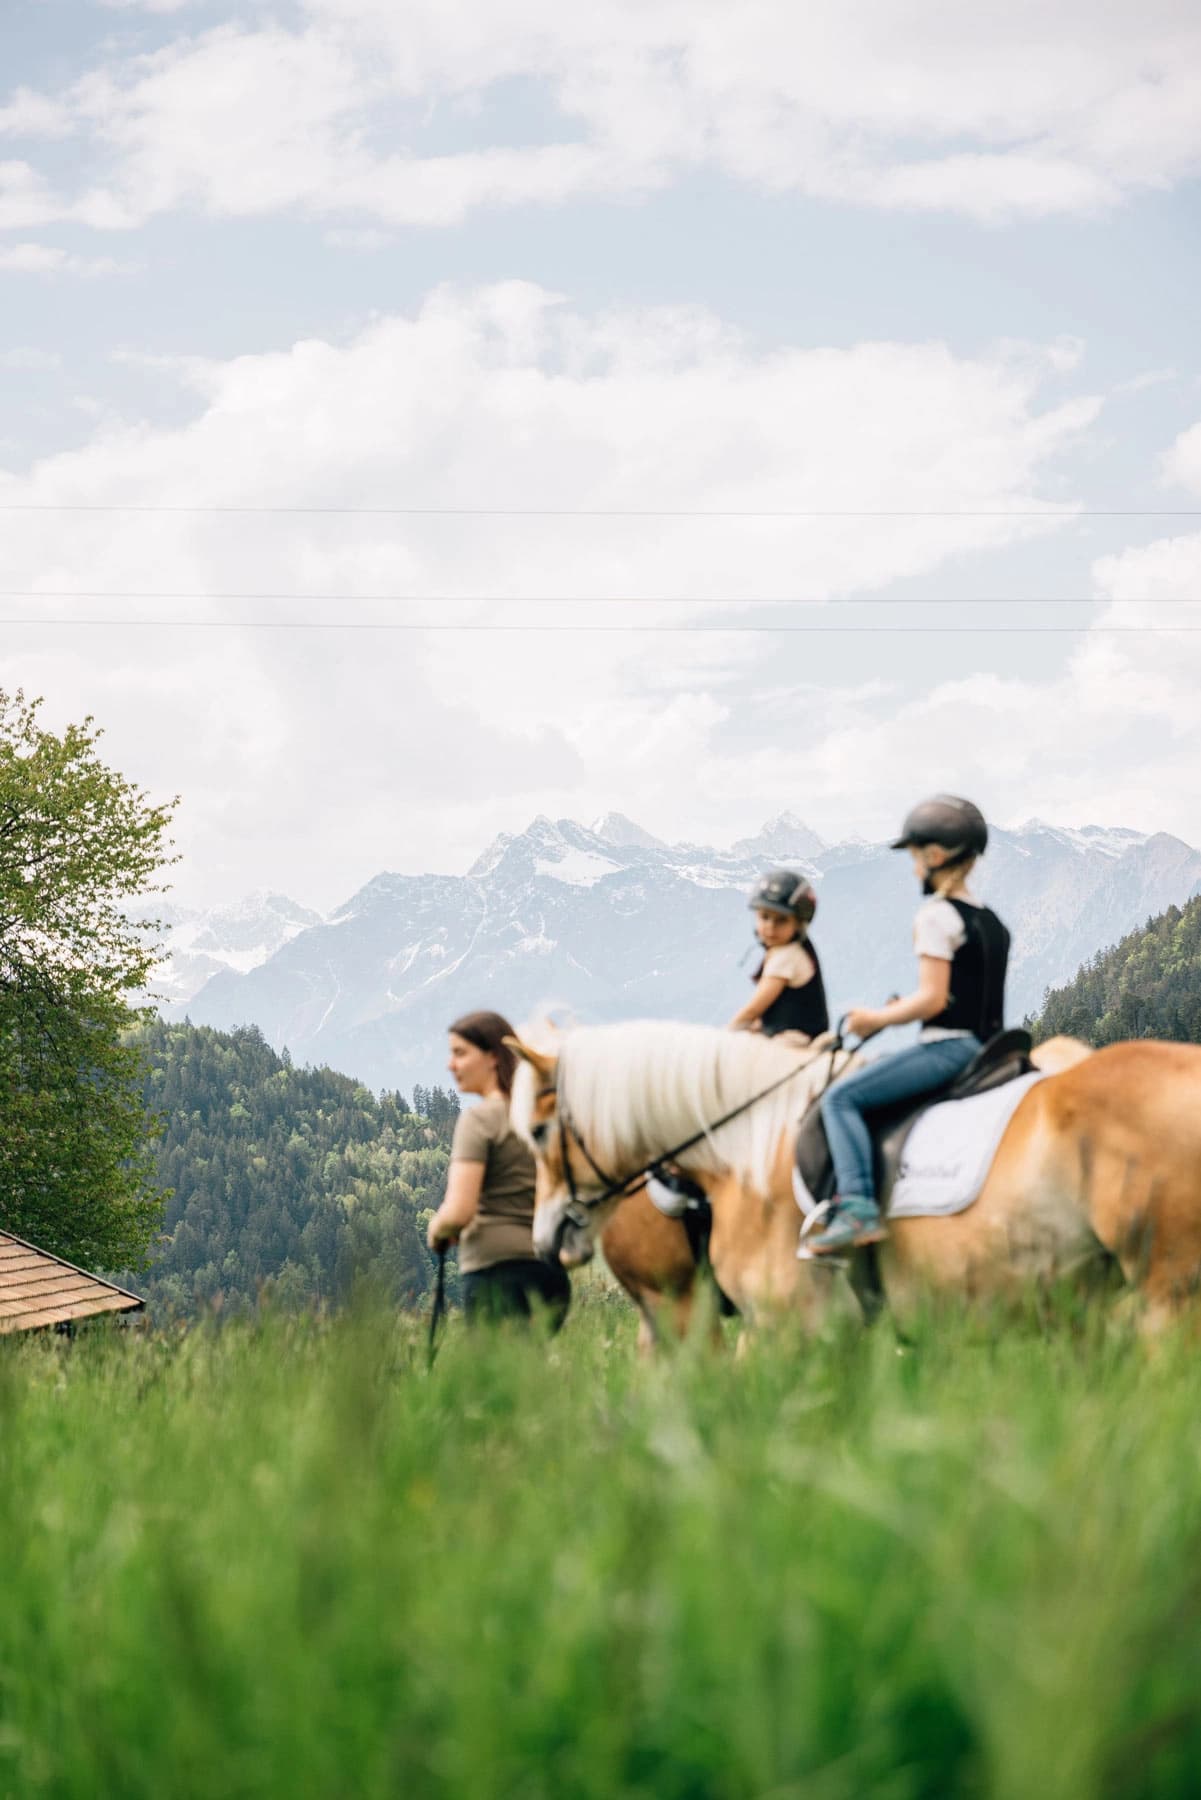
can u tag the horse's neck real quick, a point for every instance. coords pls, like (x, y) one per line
(810, 1083)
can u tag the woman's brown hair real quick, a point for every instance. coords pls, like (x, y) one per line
(487, 1031)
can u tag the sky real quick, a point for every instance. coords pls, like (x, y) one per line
(416, 417)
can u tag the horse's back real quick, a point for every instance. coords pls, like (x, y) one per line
(1141, 1078)
(1055, 1054)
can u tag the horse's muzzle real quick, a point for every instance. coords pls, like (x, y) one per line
(570, 1246)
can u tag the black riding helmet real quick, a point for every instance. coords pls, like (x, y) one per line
(949, 821)
(786, 892)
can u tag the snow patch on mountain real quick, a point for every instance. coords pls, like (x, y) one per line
(578, 868)
(614, 828)
(706, 876)
(239, 937)
(1107, 840)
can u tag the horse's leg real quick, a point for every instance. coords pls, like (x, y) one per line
(648, 1337)
(650, 1257)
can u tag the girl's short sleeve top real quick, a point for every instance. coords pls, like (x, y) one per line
(789, 963)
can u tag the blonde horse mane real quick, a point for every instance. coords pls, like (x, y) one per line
(634, 1090)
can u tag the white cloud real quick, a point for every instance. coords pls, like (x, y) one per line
(26, 198)
(24, 356)
(995, 112)
(50, 259)
(28, 114)
(1111, 738)
(312, 759)
(1182, 463)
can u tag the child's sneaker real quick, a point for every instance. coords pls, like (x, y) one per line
(850, 1223)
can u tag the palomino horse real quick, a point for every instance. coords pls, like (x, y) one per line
(1101, 1160)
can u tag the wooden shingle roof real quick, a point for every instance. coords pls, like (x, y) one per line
(39, 1289)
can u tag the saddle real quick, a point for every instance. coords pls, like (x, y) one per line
(1003, 1058)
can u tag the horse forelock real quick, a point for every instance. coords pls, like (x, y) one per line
(634, 1090)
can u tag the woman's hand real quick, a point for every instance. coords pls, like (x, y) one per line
(865, 1021)
(440, 1234)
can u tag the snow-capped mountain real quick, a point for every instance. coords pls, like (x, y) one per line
(237, 938)
(611, 923)
(623, 834)
(782, 840)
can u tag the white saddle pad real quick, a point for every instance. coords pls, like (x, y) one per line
(948, 1153)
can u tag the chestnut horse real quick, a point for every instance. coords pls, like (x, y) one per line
(1100, 1161)
(649, 1255)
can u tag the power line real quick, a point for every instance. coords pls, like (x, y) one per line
(617, 512)
(602, 599)
(392, 625)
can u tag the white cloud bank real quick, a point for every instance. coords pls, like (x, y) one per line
(996, 112)
(310, 759)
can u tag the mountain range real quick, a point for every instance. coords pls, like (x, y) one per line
(224, 939)
(609, 922)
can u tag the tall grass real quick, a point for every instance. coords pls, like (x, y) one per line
(285, 1560)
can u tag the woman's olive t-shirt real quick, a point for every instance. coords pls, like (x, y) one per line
(503, 1225)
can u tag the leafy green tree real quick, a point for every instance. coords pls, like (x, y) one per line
(77, 842)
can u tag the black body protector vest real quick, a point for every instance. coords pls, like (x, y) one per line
(800, 1008)
(977, 998)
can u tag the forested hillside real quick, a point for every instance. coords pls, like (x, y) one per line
(289, 1183)
(1148, 985)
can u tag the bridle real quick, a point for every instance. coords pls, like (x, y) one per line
(581, 1205)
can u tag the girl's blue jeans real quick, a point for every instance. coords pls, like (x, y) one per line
(905, 1075)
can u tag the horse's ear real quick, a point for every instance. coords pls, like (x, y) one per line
(542, 1064)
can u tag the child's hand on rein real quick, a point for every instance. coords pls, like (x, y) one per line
(864, 1022)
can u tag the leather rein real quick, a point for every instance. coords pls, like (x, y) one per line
(580, 1206)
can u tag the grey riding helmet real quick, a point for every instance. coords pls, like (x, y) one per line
(786, 892)
(953, 823)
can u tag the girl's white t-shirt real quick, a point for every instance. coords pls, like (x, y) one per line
(790, 963)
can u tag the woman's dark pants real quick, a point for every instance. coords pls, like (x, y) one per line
(517, 1290)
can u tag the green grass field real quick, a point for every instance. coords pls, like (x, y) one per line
(285, 1560)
